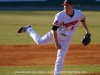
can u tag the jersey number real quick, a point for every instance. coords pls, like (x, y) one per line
(72, 27)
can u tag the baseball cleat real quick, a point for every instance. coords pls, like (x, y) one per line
(23, 29)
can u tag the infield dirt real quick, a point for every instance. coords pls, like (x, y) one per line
(26, 55)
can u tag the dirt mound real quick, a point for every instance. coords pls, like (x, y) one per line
(19, 55)
(91, 74)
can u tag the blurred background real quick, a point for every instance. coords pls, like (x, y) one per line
(47, 4)
(40, 14)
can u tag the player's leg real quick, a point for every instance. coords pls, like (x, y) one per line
(61, 56)
(48, 38)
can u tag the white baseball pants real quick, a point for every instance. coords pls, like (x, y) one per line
(48, 38)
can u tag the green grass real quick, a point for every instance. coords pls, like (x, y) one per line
(48, 70)
(41, 21)
(93, 26)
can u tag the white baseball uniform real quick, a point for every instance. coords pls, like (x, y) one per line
(66, 27)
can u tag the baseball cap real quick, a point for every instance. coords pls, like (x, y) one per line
(67, 2)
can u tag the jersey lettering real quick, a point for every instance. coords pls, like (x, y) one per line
(72, 27)
(71, 23)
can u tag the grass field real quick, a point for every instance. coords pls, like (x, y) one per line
(41, 21)
(48, 70)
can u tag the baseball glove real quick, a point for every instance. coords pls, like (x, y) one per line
(86, 40)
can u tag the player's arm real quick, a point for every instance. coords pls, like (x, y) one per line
(87, 38)
(54, 28)
(83, 22)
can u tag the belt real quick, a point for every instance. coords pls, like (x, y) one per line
(63, 34)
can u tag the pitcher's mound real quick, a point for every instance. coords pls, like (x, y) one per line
(19, 55)
(91, 74)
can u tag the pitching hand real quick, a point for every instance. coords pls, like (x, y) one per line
(58, 46)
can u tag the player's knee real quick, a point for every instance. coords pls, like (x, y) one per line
(39, 43)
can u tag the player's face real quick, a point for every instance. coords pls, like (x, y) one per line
(68, 7)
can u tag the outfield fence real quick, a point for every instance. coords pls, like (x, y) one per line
(46, 2)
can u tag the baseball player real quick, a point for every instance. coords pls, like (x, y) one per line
(64, 25)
